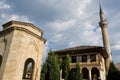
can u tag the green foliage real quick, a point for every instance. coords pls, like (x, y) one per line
(43, 71)
(112, 68)
(75, 74)
(66, 67)
(113, 73)
(72, 74)
(78, 75)
(54, 68)
(51, 68)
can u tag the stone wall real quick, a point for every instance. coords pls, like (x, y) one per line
(25, 43)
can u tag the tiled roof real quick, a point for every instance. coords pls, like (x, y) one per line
(79, 48)
(83, 49)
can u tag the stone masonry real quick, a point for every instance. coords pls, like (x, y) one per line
(20, 41)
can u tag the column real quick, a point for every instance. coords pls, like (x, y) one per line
(90, 74)
(77, 59)
(61, 74)
(101, 75)
(88, 58)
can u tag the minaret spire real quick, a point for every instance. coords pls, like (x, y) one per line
(101, 10)
(103, 25)
(101, 13)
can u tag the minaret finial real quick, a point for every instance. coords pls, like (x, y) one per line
(101, 13)
(101, 10)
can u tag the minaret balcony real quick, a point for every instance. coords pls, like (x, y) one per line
(103, 23)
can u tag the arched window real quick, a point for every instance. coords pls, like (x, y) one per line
(95, 73)
(85, 73)
(0, 60)
(28, 69)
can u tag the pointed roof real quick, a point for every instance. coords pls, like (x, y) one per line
(101, 13)
(101, 10)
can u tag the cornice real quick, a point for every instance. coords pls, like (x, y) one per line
(21, 23)
(76, 51)
(5, 31)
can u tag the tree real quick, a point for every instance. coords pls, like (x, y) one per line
(65, 67)
(54, 68)
(43, 71)
(75, 74)
(78, 75)
(113, 73)
(51, 68)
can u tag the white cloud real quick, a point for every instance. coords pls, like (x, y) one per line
(8, 17)
(20, 18)
(76, 30)
(59, 25)
(3, 5)
(66, 23)
(116, 45)
(57, 37)
(46, 48)
(116, 58)
(72, 33)
(79, 13)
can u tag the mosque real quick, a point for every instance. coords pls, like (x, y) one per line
(94, 60)
(21, 48)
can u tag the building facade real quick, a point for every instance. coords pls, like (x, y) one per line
(21, 48)
(90, 58)
(94, 60)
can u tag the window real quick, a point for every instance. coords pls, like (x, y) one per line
(93, 57)
(0, 60)
(84, 58)
(63, 58)
(73, 59)
(28, 69)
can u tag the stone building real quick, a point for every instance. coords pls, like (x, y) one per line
(21, 48)
(90, 58)
(94, 60)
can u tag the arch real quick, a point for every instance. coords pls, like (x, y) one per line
(85, 73)
(28, 69)
(71, 74)
(95, 73)
(0, 60)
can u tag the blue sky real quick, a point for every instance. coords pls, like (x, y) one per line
(67, 23)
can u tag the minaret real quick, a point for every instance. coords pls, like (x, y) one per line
(103, 24)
